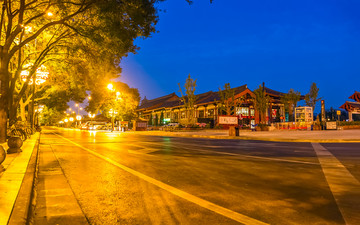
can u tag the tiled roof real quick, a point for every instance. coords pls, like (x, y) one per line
(172, 100)
(350, 105)
(155, 103)
(279, 94)
(355, 96)
(272, 92)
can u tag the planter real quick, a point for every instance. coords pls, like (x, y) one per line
(2, 154)
(14, 144)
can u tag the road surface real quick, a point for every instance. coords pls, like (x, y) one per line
(123, 178)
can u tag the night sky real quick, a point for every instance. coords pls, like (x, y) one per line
(286, 44)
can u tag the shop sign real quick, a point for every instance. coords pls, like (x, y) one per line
(331, 126)
(228, 120)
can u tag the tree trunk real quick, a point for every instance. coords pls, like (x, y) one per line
(22, 105)
(4, 96)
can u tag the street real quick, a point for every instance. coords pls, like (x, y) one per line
(126, 178)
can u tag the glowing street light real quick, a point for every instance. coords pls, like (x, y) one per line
(110, 87)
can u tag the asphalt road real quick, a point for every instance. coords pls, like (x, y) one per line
(121, 178)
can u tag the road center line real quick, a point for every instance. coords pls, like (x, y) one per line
(343, 185)
(182, 194)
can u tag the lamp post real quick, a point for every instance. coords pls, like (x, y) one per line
(41, 75)
(78, 118)
(91, 116)
(112, 111)
(71, 119)
(78, 114)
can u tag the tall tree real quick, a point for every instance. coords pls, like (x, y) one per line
(228, 102)
(189, 98)
(40, 32)
(120, 102)
(261, 102)
(150, 122)
(156, 122)
(162, 118)
(290, 100)
(311, 98)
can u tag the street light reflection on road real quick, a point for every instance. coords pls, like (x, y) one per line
(93, 133)
(113, 135)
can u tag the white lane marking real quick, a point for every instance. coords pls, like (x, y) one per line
(344, 186)
(182, 194)
(256, 157)
(247, 156)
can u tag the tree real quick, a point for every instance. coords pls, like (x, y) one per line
(189, 98)
(261, 102)
(52, 33)
(290, 100)
(311, 98)
(150, 122)
(120, 103)
(162, 118)
(50, 116)
(228, 103)
(156, 122)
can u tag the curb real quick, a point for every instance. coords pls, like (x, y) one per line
(23, 206)
(252, 138)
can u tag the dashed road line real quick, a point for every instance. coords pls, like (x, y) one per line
(343, 185)
(189, 197)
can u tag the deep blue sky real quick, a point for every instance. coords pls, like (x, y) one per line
(286, 44)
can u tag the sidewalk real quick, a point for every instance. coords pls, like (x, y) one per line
(16, 182)
(329, 136)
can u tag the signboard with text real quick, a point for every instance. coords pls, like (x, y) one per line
(231, 120)
(330, 125)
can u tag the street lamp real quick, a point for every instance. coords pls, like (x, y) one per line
(91, 116)
(41, 75)
(112, 111)
(110, 87)
(71, 119)
(78, 113)
(78, 118)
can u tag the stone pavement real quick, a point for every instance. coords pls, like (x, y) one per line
(55, 201)
(16, 182)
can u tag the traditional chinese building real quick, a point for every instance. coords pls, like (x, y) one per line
(353, 108)
(207, 107)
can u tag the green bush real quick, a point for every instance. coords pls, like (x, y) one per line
(345, 123)
(263, 127)
(218, 127)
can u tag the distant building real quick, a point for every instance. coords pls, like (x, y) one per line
(207, 107)
(353, 108)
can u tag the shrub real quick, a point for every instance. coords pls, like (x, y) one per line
(346, 123)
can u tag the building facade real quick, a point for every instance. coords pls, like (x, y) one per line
(207, 108)
(353, 107)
